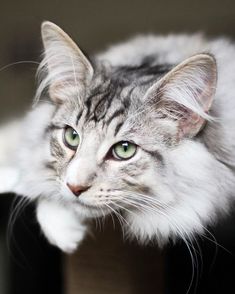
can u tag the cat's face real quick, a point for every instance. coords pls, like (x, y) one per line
(109, 151)
(121, 139)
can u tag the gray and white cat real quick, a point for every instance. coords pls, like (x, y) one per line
(144, 131)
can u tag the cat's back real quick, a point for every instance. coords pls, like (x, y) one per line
(170, 49)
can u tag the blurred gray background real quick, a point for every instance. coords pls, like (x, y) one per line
(93, 25)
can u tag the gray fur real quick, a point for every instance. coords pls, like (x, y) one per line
(175, 184)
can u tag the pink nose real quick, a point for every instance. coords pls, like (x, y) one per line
(77, 190)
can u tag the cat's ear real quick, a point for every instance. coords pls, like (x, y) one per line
(68, 70)
(186, 93)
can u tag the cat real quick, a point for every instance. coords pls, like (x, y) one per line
(144, 131)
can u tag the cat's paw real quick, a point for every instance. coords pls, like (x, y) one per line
(60, 225)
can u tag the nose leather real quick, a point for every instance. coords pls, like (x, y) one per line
(76, 189)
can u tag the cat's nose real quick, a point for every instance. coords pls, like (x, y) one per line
(77, 190)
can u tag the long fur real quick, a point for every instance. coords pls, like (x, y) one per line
(175, 185)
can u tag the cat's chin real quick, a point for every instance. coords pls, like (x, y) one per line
(91, 211)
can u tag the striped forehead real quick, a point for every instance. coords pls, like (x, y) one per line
(115, 87)
(104, 105)
(113, 92)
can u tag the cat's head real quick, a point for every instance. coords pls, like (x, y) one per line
(123, 139)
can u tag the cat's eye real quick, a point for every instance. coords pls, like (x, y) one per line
(124, 150)
(71, 138)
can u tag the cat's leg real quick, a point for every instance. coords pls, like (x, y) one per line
(60, 225)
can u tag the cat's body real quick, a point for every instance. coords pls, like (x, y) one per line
(149, 92)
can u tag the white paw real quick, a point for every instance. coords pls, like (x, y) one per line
(61, 226)
(68, 239)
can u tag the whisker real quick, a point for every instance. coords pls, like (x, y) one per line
(16, 210)
(187, 241)
(110, 214)
(18, 62)
(120, 218)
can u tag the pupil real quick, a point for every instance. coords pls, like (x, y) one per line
(74, 135)
(125, 146)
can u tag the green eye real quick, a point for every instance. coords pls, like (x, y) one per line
(71, 138)
(124, 150)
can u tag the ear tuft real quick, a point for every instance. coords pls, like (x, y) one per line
(186, 93)
(64, 70)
